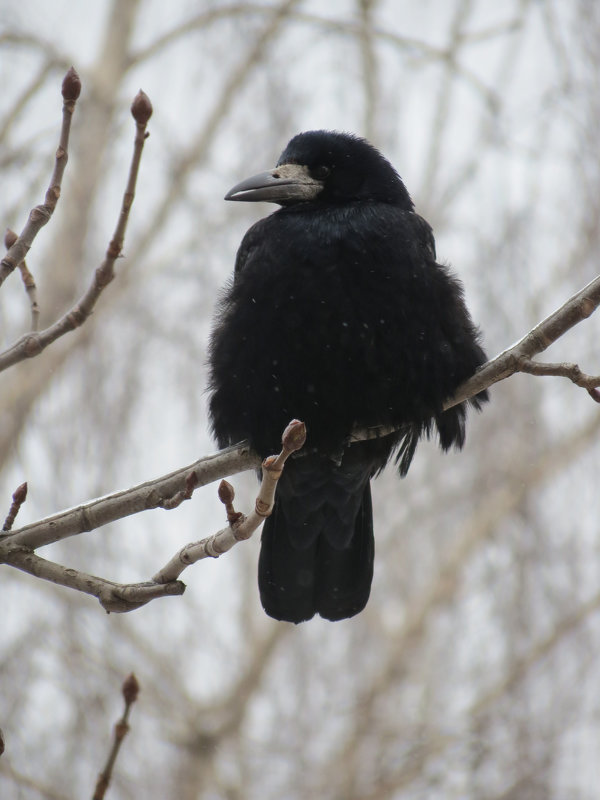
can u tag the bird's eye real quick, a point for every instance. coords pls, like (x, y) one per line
(321, 172)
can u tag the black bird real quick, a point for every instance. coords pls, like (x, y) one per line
(338, 315)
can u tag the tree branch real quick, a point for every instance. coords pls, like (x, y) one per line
(130, 691)
(170, 490)
(144, 496)
(16, 549)
(33, 343)
(518, 358)
(240, 527)
(18, 498)
(115, 597)
(563, 370)
(41, 214)
(10, 237)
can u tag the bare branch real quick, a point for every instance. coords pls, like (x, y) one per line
(197, 150)
(145, 496)
(130, 691)
(28, 94)
(518, 358)
(411, 45)
(521, 667)
(240, 527)
(438, 744)
(41, 214)
(113, 597)
(33, 343)
(441, 592)
(238, 458)
(448, 86)
(366, 12)
(10, 237)
(17, 551)
(577, 308)
(27, 782)
(563, 370)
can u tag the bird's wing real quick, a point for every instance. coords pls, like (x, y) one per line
(424, 233)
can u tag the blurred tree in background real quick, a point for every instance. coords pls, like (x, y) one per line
(472, 672)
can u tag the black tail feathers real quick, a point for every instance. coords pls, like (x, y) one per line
(330, 575)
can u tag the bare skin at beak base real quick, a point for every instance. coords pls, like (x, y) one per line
(288, 183)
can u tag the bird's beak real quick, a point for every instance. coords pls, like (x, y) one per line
(288, 183)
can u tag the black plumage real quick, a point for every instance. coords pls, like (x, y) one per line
(338, 315)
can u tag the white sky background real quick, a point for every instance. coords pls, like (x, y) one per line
(517, 159)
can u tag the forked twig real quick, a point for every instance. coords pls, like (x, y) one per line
(33, 343)
(10, 237)
(240, 527)
(17, 549)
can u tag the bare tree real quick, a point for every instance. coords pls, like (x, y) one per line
(472, 669)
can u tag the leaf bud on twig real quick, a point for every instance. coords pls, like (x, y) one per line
(141, 108)
(130, 689)
(294, 436)
(10, 237)
(71, 85)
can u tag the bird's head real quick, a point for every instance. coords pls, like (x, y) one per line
(326, 167)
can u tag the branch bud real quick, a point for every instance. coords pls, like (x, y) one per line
(226, 493)
(130, 689)
(294, 436)
(141, 108)
(71, 85)
(191, 482)
(10, 237)
(20, 494)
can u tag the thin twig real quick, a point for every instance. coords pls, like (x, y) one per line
(32, 344)
(29, 92)
(366, 13)
(518, 358)
(113, 597)
(411, 45)
(577, 308)
(40, 215)
(442, 589)
(145, 496)
(25, 781)
(240, 527)
(18, 498)
(31, 291)
(198, 149)
(562, 370)
(130, 691)
(521, 666)
(116, 597)
(10, 237)
(447, 90)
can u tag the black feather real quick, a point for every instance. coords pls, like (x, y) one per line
(338, 315)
